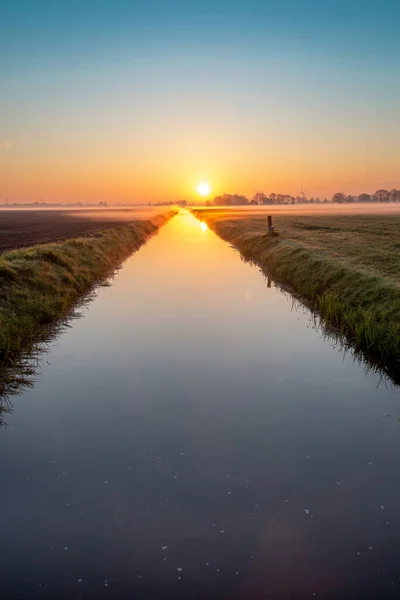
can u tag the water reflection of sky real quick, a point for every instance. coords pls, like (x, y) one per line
(192, 420)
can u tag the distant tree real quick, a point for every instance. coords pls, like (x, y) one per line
(395, 195)
(230, 199)
(273, 196)
(220, 200)
(350, 198)
(339, 197)
(238, 200)
(259, 198)
(283, 198)
(364, 198)
(382, 196)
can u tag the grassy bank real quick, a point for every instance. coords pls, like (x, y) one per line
(39, 285)
(347, 268)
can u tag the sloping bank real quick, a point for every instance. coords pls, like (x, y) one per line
(363, 308)
(39, 285)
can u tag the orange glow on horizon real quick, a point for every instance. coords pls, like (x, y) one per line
(127, 175)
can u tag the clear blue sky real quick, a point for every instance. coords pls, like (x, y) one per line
(132, 100)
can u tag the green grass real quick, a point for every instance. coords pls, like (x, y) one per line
(346, 268)
(40, 285)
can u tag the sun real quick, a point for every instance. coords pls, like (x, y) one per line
(203, 188)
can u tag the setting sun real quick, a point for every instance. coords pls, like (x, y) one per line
(203, 189)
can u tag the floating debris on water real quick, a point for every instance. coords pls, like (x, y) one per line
(179, 569)
(164, 547)
(306, 511)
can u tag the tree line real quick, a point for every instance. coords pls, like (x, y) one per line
(340, 198)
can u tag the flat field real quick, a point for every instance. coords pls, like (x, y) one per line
(20, 227)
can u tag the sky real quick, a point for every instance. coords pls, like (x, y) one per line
(139, 101)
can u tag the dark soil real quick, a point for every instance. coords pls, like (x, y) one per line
(20, 228)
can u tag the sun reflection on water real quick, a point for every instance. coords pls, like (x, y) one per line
(203, 226)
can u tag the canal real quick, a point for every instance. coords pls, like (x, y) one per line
(194, 435)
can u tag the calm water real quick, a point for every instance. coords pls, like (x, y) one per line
(194, 437)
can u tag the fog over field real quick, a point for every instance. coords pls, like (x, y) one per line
(312, 209)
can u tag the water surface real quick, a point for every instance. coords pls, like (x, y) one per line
(193, 436)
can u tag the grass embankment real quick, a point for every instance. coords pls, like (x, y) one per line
(39, 285)
(347, 268)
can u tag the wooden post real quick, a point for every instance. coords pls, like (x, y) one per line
(270, 226)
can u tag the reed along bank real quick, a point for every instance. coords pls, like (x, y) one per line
(40, 285)
(344, 267)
